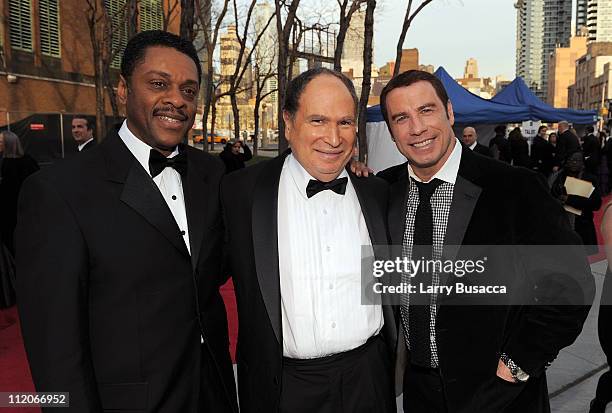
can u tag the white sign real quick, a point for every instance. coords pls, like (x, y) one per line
(530, 128)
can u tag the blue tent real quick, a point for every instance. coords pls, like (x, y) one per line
(517, 93)
(469, 108)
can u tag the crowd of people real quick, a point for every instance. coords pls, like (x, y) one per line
(121, 251)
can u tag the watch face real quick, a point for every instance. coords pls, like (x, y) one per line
(522, 376)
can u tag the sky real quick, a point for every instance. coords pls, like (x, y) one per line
(448, 32)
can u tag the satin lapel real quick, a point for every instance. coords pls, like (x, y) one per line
(398, 196)
(372, 213)
(141, 193)
(265, 239)
(195, 187)
(465, 197)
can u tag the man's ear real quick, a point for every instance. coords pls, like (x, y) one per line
(288, 125)
(451, 114)
(122, 90)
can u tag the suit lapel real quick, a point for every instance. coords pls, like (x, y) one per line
(195, 187)
(397, 208)
(139, 191)
(371, 211)
(465, 197)
(265, 239)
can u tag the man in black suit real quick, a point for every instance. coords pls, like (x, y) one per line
(119, 272)
(542, 152)
(82, 132)
(470, 139)
(296, 228)
(567, 143)
(591, 150)
(460, 357)
(500, 146)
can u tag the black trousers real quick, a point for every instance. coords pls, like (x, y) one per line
(423, 390)
(357, 381)
(604, 386)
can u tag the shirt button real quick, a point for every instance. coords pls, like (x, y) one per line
(333, 325)
(331, 286)
(182, 232)
(328, 248)
(174, 197)
(325, 212)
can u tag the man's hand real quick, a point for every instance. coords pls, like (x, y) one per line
(360, 168)
(503, 372)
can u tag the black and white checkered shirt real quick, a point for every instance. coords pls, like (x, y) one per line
(440, 205)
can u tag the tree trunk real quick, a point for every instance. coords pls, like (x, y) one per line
(100, 101)
(208, 91)
(408, 18)
(213, 120)
(187, 19)
(236, 115)
(256, 126)
(132, 18)
(365, 85)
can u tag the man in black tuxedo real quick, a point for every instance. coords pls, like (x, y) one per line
(118, 255)
(296, 228)
(591, 150)
(470, 139)
(542, 152)
(459, 357)
(567, 143)
(500, 146)
(82, 132)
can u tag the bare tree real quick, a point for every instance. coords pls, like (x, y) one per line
(243, 60)
(408, 18)
(264, 71)
(170, 6)
(365, 85)
(210, 26)
(345, 23)
(283, 30)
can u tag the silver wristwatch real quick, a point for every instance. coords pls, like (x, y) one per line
(517, 373)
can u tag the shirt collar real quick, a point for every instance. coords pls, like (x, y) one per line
(82, 145)
(450, 169)
(473, 145)
(300, 176)
(139, 149)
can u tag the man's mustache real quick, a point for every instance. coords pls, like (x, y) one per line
(170, 112)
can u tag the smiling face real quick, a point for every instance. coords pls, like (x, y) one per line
(420, 126)
(322, 131)
(161, 97)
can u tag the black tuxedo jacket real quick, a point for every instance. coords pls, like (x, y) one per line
(112, 305)
(250, 206)
(567, 143)
(483, 150)
(493, 205)
(90, 145)
(542, 155)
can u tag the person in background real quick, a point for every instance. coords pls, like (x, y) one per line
(542, 153)
(567, 142)
(499, 145)
(470, 139)
(15, 167)
(583, 223)
(232, 156)
(591, 151)
(603, 394)
(82, 132)
(519, 147)
(552, 138)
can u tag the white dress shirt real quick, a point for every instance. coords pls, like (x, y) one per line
(473, 145)
(81, 146)
(168, 181)
(319, 247)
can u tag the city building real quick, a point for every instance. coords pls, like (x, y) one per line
(352, 53)
(593, 75)
(595, 16)
(483, 87)
(541, 25)
(46, 54)
(265, 57)
(471, 69)
(562, 70)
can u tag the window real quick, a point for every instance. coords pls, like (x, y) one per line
(117, 13)
(49, 27)
(150, 15)
(20, 24)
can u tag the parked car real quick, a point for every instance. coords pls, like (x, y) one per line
(199, 138)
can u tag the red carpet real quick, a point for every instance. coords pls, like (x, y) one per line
(15, 372)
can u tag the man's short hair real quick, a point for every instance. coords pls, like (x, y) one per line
(408, 78)
(137, 46)
(542, 127)
(299, 83)
(90, 123)
(500, 130)
(564, 122)
(589, 129)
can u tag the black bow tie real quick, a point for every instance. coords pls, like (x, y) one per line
(158, 162)
(337, 185)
